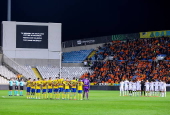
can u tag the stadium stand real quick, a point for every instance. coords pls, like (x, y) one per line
(99, 55)
(6, 73)
(75, 56)
(69, 72)
(133, 59)
(3, 80)
(25, 71)
(47, 72)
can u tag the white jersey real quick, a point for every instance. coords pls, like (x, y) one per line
(126, 83)
(138, 85)
(130, 85)
(122, 86)
(156, 83)
(134, 86)
(151, 86)
(147, 86)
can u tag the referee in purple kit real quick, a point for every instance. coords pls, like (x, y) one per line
(86, 88)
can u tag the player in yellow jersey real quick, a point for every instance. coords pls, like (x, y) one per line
(28, 88)
(67, 88)
(44, 88)
(61, 88)
(32, 89)
(55, 88)
(38, 88)
(50, 88)
(73, 88)
(80, 89)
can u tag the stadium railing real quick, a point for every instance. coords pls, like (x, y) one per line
(16, 66)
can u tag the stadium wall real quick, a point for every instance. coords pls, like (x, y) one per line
(72, 64)
(37, 62)
(44, 62)
(85, 47)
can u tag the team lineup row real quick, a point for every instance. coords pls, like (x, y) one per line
(139, 88)
(58, 88)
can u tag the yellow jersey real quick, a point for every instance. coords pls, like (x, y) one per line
(32, 84)
(38, 84)
(50, 84)
(55, 83)
(28, 83)
(60, 83)
(44, 84)
(80, 86)
(66, 85)
(73, 83)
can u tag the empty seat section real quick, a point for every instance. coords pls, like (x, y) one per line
(75, 56)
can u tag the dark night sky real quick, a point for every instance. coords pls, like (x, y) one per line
(92, 18)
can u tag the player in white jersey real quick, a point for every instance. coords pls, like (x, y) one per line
(130, 87)
(147, 87)
(162, 89)
(121, 88)
(156, 84)
(126, 88)
(159, 87)
(138, 87)
(134, 88)
(151, 88)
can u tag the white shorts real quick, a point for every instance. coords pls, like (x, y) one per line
(156, 89)
(147, 89)
(126, 88)
(134, 89)
(121, 89)
(130, 88)
(138, 88)
(151, 89)
(162, 89)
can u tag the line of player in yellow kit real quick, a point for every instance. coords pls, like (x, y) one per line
(54, 89)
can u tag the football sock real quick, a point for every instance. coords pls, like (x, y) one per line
(74, 96)
(58, 95)
(87, 95)
(20, 92)
(39, 95)
(81, 96)
(63, 96)
(51, 95)
(36, 94)
(9, 92)
(71, 96)
(68, 96)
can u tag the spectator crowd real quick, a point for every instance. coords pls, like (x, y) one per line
(132, 59)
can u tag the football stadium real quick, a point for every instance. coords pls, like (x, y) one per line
(116, 72)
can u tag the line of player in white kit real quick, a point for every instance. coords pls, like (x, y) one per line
(143, 88)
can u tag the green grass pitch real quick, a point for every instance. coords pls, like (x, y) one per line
(100, 103)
